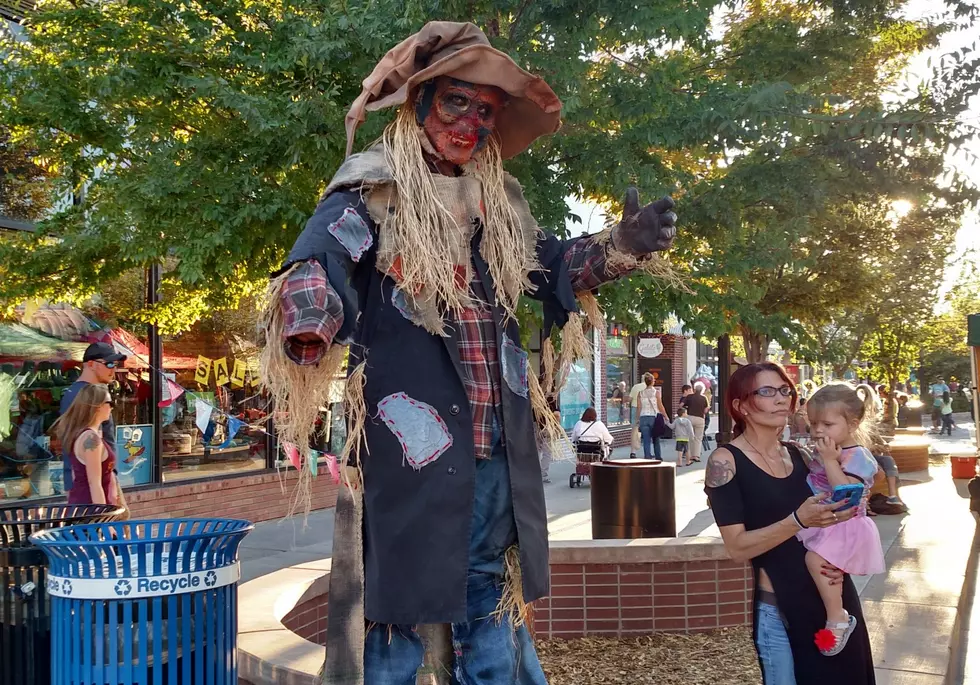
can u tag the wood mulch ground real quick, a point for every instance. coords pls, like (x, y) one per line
(714, 658)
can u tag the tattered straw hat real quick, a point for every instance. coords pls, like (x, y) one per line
(444, 48)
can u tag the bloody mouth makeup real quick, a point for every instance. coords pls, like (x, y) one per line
(458, 117)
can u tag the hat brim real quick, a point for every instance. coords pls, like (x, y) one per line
(533, 110)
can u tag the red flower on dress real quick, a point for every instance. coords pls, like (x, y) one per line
(824, 639)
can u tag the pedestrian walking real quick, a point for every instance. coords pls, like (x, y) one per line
(697, 407)
(89, 455)
(635, 417)
(651, 407)
(100, 363)
(946, 412)
(936, 390)
(683, 435)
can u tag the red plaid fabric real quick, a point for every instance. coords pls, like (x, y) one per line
(478, 353)
(310, 305)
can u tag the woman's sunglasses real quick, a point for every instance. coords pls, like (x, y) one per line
(769, 391)
(111, 403)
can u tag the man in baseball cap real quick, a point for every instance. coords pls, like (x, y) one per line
(99, 365)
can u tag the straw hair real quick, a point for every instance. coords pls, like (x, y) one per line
(548, 366)
(593, 312)
(574, 346)
(507, 246)
(421, 226)
(512, 597)
(81, 414)
(423, 232)
(549, 426)
(356, 407)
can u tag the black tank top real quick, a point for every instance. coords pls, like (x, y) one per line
(757, 499)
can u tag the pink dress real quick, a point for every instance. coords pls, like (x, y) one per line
(854, 545)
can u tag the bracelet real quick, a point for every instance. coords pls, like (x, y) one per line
(796, 518)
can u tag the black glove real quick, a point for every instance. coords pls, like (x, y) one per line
(642, 231)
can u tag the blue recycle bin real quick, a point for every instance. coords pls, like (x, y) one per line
(144, 602)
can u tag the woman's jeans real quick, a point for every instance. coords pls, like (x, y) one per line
(772, 643)
(646, 433)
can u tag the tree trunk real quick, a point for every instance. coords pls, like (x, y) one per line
(756, 345)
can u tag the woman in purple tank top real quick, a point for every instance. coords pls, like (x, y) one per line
(89, 456)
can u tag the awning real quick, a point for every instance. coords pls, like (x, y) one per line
(137, 353)
(22, 343)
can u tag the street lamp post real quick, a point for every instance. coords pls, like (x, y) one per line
(724, 434)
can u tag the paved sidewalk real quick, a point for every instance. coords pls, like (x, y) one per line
(911, 609)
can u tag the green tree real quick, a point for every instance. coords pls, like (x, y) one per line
(944, 350)
(25, 194)
(203, 132)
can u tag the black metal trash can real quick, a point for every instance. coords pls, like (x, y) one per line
(25, 618)
(633, 498)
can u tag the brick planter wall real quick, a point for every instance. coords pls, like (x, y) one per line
(256, 497)
(309, 620)
(623, 588)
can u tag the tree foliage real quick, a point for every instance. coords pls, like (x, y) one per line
(203, 133)
(944, 350)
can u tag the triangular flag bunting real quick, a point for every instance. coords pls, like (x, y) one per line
(171, 391)
(332, 466)
(314, 461)
(203, 410)
(292, 453)
(231, 429)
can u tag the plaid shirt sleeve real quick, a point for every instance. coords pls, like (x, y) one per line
(310, 305)
(586, 261)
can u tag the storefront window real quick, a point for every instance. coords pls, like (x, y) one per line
(577, 395)
(213, 367)
(40, 358)
(619, 380)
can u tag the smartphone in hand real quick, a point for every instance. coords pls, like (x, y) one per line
(852, 493)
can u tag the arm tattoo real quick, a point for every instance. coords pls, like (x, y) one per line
(719, 472)
(91, 442)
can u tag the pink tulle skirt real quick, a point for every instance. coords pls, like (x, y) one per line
(853, 546)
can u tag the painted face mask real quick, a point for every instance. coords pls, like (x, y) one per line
(458, 117)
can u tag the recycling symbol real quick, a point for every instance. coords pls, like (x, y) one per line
(210, 578)
(123, 588)
(66, 587)
(52, 585)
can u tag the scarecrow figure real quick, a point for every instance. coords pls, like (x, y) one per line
(413, 265)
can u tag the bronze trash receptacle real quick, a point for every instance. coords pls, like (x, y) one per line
(633, 498)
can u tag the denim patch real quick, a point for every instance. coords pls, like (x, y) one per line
(352, 232)
(404, 308)
(513, 364)
(422, 433)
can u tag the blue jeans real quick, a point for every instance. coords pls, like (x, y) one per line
(646, 434)
(487, 652)
(772, 643)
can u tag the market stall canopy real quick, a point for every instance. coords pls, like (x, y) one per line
(22, 343)
(137, 353)
(59, 321)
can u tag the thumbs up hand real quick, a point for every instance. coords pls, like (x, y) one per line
(646, 230)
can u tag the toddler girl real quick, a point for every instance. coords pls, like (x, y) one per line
(838, 419)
